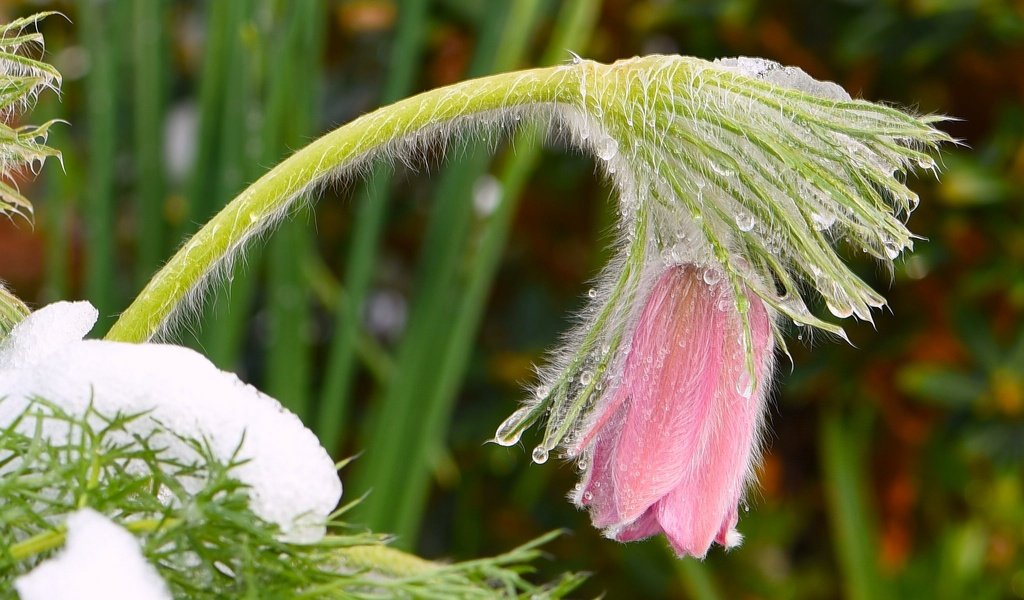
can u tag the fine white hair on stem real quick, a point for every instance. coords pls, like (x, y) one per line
(413, 151)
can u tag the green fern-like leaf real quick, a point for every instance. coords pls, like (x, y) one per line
(22, 78)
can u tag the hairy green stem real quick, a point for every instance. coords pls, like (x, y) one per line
(265, 201)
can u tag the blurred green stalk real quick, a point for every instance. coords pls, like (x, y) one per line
(150, 58)
(102, 25)
(371, 207)
(842, 445)
(290, 119)
(228, 101)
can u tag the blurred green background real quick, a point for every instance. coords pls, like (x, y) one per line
(399, 316)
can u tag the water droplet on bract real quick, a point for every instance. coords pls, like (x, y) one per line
(712, 276)
(606, 148)
(720, 170)
(592, 293)
(586, 377)
(839, 308)
(540, 455)
(582, 466)
(892, 250)
(822, 221)
(745, 221)
(509, 432)
(926, 163)
(543, 391)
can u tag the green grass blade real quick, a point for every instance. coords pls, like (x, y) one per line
(290, 119)
(237, 162)
(226, 21)
(853, 532)
(101, 36)
(575, 24)
(371, 207)
(150, 57)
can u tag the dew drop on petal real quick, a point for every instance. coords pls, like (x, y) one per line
(712, 276)
(540, 455)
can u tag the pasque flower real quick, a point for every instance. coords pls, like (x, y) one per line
(736, 180)
(671, 449)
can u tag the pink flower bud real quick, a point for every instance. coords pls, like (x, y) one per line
(673, 444)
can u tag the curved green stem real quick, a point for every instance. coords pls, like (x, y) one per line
(349, 146)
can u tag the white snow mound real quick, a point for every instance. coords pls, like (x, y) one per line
(293, 480)
(100, 561)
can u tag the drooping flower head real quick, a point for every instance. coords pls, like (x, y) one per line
(735, 181)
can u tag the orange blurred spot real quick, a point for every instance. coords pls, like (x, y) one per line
(366, 16)
(1006, 388)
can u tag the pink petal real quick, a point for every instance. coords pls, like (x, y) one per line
(671, 374)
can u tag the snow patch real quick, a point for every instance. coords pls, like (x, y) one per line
(292, 478)
(787, 77)
(100, 560)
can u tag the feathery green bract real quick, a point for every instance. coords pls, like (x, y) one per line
(22, 79)
(209, 544)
